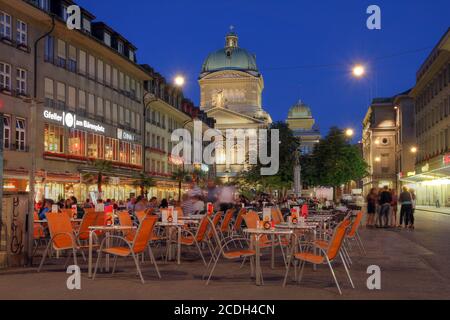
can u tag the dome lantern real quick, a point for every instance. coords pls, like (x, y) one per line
(231, 40)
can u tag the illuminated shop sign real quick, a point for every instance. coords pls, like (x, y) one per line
(124, 135)
(70, 120)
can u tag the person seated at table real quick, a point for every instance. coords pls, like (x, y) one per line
(141, 204)
(80, 211)
(48, 203)
(164, 204)
(88, 204)
(187, 205)
(198, 204)
(130, 204)
(153, 203)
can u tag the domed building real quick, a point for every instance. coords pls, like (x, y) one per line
(231, 92)
(301, 121)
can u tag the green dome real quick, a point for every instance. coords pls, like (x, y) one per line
(300, 111)
(230, 58)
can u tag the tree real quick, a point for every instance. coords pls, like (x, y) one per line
(144, 182)
(283, 180)
(333, 162)
(102, 168)
(180, 175)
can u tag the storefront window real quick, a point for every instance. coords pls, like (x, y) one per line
(125, 152)
(96, 146)
(77, 143)
(112, 149)
(53, 138)
(136, 154)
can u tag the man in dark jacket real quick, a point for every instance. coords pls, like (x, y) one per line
(385, 200)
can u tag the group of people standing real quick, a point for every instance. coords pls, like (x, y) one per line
(382, 208)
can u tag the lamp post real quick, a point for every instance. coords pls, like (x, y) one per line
(147, 100)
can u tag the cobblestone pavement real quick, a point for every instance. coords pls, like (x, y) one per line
(414, 265)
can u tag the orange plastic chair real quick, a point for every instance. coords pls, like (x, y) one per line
(353, 234)
(90, 218)
(62, 236)
(277, 217)
(327, 255)
(133, 248)
(237, 226)
(221, 245)
(191, 239)
(140, 215)
(68, 212)
(125, 221)
(225, 226)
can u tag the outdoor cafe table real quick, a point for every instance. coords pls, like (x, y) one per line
(258, 233)
(170, 226)
(308, 226)
(197, 217)
(107, 230)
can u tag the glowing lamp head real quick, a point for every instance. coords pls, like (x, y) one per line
(179, 81)
(358, 71)
(349, 132)
(414, 149)
(377, 159)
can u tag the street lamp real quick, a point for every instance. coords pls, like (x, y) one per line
(377, 159)
(358, 71)
(349, 132)
(147, 100)
(179, 81)
(414, 150)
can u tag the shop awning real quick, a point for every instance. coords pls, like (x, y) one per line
(442, 173)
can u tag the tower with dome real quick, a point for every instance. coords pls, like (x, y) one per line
(302, 123)
(231, 87)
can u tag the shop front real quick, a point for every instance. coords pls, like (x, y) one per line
(78, 145)
(430, 182)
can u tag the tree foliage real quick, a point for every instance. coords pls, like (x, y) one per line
(283, 180)
(144, 182)
(102, 168)
(333, 162)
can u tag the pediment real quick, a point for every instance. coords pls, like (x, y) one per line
(227, 117)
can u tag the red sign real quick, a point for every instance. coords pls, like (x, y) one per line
(447, 159)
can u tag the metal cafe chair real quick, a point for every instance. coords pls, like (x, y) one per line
(326, 256)
(132, 248)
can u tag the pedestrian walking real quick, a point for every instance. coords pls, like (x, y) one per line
(406, 202)
(385, 200)
(394, 205)
(371, 207)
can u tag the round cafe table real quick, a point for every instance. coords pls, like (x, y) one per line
(256, 236)
(170, 226)
(308, 226)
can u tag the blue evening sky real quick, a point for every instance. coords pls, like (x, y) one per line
(290, 39)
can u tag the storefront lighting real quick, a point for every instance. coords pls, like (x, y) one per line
(437, 182)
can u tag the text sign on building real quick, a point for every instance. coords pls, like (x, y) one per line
(70, 120)
(124, 135)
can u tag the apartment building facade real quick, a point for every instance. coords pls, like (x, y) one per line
(388, 141)
(87, 92)
(431, 178)
(167, 111)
